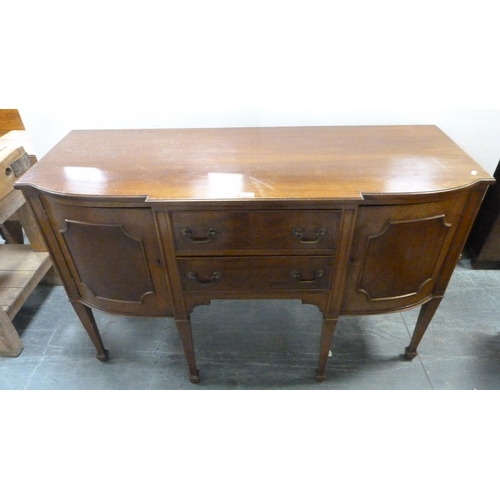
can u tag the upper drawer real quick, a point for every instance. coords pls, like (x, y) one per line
(271, 230)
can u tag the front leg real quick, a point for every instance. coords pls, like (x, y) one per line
(87, 318)
(327, 332)
(427, 312)
(186, 335)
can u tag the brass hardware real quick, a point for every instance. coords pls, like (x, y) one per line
(298, 233)
(188, 233)
(296, 276)
(215, 276)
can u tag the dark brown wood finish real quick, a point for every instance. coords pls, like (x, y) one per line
(356, 220)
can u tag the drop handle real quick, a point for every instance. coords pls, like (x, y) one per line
(194, 276)
(299, 234)
(211, 234)
(296, 276)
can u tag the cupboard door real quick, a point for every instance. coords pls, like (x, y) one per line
(113, 256)
(397, 254)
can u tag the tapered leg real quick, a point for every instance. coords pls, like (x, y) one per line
(424, 318)
(87, 318)
(186, 335)
(327, 333)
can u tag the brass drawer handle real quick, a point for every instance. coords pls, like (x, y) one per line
(298, 233)
(296, 276)
(188, 234)
(194, 276)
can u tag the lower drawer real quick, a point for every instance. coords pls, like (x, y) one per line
(255, 273)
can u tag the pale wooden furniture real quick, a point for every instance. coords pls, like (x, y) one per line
(355, 220)
(22, 266)
(14, 135)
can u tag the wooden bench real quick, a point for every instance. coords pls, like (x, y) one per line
(22, 266)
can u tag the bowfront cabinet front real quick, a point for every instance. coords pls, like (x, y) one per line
(112, 256)
(398, 253)
(337, 217)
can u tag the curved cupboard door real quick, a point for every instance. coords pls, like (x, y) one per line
(398, 252)
(113, 256)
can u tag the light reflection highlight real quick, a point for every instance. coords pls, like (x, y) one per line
(225, 185)
(84, 174)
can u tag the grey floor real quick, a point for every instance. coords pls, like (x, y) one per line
(264, 345)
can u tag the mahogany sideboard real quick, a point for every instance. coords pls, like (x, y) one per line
(354, 220)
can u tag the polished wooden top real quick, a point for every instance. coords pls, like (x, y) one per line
(255, 163)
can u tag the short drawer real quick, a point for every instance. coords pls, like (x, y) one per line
(255, 273)
(274, 230)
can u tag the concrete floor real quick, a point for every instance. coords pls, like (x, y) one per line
(264, 345)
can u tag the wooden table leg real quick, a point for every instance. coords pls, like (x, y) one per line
(427, 312)
(87, 318)
(12, 232)
(10, 343)
(186, 335)
(327, 332)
